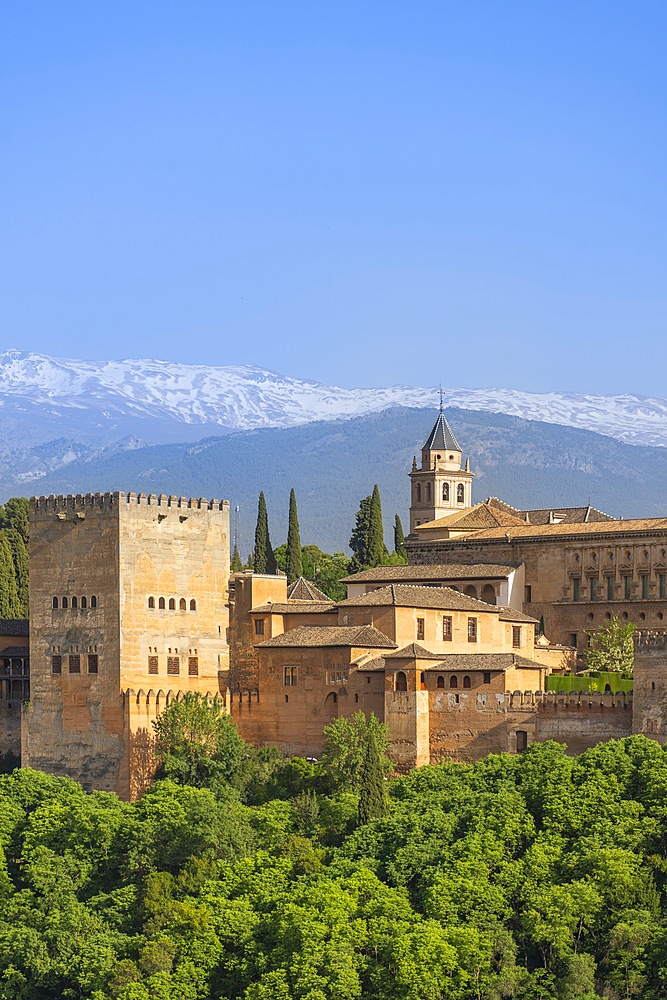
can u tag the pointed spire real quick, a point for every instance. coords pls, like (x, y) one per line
(441, 436)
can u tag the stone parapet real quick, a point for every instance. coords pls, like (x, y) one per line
(55, 503)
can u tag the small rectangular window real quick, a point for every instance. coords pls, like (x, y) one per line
(644, 586)
(516, 636)
(594, 588)
(610, 588)
(93, 663)
(259, 626)
(576, 585)
(74, 663)
(573, 639)
(521, 740)
(447, 628)
(528, 594)
(152, 664)
(56, 664)
(193, 666)
(487, 676)
(173, 664)
(472, 630)
(627, 587)
(420, 628)
(663, 584)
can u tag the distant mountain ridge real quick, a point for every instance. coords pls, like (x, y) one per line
(102, 402)
(333, 464)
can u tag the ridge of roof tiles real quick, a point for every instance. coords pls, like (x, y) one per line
(442, 571)
(331, 635)
(295, 607)
(413, 652)
(305, 590)
(415, 596)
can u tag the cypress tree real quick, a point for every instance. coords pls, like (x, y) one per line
(263, 559)
(236, 565)
(372, 794)
(9, 596)
(377, 551)
(21, 569)
(294, 565)
(399, 538)
(359, 539)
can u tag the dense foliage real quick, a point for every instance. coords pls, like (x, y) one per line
(294, 559)
(263, 559)
(536, 876)
(612, 647)
(14, 537)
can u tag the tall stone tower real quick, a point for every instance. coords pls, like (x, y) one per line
(441, 485)
(128, 609)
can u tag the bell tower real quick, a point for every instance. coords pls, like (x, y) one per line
(442, 484)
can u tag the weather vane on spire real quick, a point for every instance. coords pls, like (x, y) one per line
(441, 397)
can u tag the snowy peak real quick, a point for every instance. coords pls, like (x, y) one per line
(247, 397)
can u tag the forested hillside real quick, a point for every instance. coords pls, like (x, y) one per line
(532, 876)
(332, 465)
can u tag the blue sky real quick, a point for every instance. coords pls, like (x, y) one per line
(359, 193)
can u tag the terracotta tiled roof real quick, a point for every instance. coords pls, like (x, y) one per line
(484, 661)
(363, 636)
(512, 615)
(656, 524)
(406, 596)
(14, 626)
(482, 515)
(413, 652)
(550, 515)
(295, 608)
(305, 590)
(445, 571)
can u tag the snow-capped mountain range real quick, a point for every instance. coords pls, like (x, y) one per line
(103, 401)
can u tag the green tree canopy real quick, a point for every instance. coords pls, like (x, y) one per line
(399, 539)
(294, 561)
(612, 647)
(346, 742)
(196, 741)
(263, 559)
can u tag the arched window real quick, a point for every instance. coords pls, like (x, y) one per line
(470, 591)
(172, 604)
(75, 603)
(401, 681)
(64, 602)
(488, 594)
(93, 601)
(466, 681)
(440, 683)
(419, 493)
(460, 493)
(193, 605)
(422, 681)
(428, 491)
(84, 603)
(55, 602)
(182, 606)
(445, 491)
(453, 681)
(151, 602)
(161, 604)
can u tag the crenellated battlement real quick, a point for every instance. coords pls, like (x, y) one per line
(650, 642)
(82, 501)
(539, 700)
